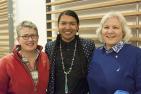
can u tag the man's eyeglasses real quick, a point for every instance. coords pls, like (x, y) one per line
(26, 37)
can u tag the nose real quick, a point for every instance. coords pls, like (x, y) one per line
(110, 30)
(68, 26)
(30, 38)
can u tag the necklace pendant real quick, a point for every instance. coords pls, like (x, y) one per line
(66, 83)
(70, 69)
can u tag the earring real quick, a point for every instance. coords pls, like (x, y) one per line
(77, 33)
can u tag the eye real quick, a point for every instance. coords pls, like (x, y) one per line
(25, 37)
(73, 23)
(34, 36)
(62, 23)
(106, 27)
(115, 27)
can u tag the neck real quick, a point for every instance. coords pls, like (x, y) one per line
(28, 54)
(68, 40)
(109, 46)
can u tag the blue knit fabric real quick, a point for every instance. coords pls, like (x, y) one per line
(109, 72)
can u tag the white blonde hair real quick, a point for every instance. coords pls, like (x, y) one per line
(125, 28)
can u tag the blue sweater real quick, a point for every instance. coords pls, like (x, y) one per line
(109, 72)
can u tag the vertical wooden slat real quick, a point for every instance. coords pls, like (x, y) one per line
(4, 32)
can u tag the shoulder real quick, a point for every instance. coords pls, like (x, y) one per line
(6, 60)
(7, 57)
(88, 47)
(98, 51)
(131, 52)
(50, 44)
(44, 58)
(87, 43)
(132, 48)
(43, 54)
(101, 48)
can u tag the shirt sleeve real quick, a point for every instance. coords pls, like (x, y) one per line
(138, 74)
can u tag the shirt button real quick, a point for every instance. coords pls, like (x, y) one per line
(116, 56)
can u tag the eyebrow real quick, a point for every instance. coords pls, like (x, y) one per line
(69, 21)
(29, 34)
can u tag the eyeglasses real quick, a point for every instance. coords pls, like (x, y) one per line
(26, 37)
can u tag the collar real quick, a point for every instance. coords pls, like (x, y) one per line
(17, 48)
(68, 44)
(115, 48)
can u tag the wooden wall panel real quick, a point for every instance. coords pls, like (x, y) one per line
(90, 13)
(4, 34)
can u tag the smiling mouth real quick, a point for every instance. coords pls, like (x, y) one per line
(30, 44)
(110, 36)
(68, 32)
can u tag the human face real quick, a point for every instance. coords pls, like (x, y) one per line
(28, 39)
(112, 32)
(68, 27)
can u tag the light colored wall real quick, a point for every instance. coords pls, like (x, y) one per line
(35, 11)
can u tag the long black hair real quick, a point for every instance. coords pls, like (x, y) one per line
(69, 13)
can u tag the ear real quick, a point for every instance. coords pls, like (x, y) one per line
(123, 34)
(78, 27)
(17, 39)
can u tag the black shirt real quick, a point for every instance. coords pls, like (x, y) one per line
(77, 83)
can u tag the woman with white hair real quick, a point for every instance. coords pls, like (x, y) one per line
(116, 66)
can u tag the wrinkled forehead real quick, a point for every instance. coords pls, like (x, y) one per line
(27, 31)
(113, 20)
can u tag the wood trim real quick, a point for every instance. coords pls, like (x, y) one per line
(136, 39)
(3, 25)
(51, 21)
(60, 2)
(3, 1)
(96, 5)
(94, 28)
(4, 19)
(90, 17)
(100, 16)
(4, 6)
(133, 39)
(3, 33)
(3, 14)
(3, 22)
(4, 37)
(4, 43)
(2, 50)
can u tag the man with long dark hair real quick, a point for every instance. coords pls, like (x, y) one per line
(69, 56)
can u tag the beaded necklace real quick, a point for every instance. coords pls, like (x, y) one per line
(66, 73)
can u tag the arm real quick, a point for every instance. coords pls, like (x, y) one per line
(138, 74)
(4, 78)
(49, 49)
(88, 47)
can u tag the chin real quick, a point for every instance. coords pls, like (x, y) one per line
(30, 49)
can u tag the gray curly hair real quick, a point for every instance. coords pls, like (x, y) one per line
(26, 24)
